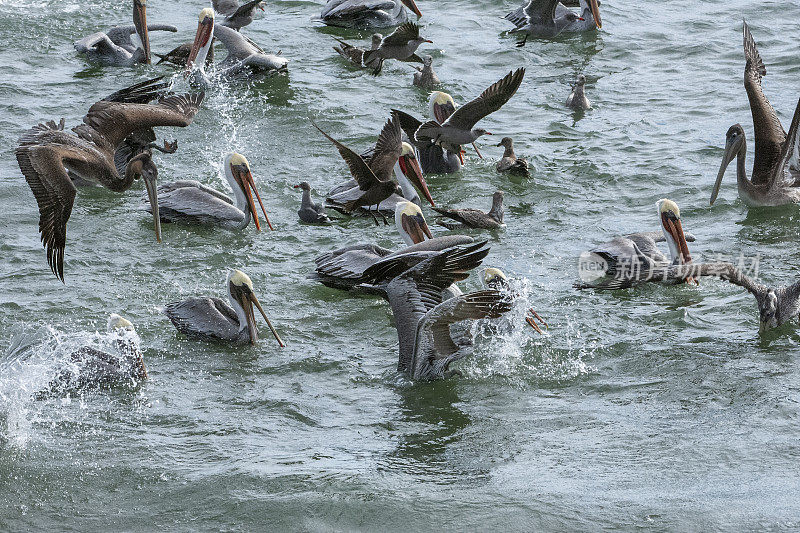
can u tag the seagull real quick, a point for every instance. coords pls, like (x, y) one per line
(213, 319)
(354, 54)
(426, 78)
(428, 344)
(400, 44)
(475, 218)
(510, 162)
(236, 16)
(309, 211)
(459, 128)
(115, 47)
(577, 98)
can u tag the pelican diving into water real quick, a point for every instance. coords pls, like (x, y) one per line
(213, 319)
(549, 18)
(47, 156)
(115, 47)
(776, 165)
(364, 14)
(191, 201)
(423, 317)
(626, 261)
(244, 56)
(459, 128)
(495, 279)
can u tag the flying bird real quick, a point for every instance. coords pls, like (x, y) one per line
(401, 44)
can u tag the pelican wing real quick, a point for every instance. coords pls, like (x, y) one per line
(769, 134)
(362, 173)
(490, 100)
(204, 317)
(435, 347)
(352, 7)
(789, 168)
(114, 121)
(406, 32)
(387, 150)
(121, 35)
(239, 47)
(98, 42)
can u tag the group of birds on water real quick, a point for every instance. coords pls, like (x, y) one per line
(114, 147)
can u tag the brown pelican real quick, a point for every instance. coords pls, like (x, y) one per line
(776, 166)
(626, 261)
(426, 78)
(309, 211)
(212, 318)
(244, 56)
(424, 318)
(400, 44)
(495, 279)
(237, 16)
(374, 180)
(408, 174)
(354, 54)
(365, 14)
(115, 47)
(549, 18)
(510, 162)
(344, 268)
(475, 218)
(46, 154)
(577, 97)
(191, 201)
(459, 128)
(90, 368)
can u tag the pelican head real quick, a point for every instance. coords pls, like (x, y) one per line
(441, 105)
(410, 223)
(670, 216)
(410, 4)
(142, 166)
(240, 178)
(202, 39)
(734, 146)
(768, 311)
(493, 278)
(410, 168)
(116, 322)
(140, 23)
(127, 345)
(242, 298)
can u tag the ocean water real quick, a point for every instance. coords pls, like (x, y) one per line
(656, 408)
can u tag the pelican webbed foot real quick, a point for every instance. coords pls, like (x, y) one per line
(530, 320)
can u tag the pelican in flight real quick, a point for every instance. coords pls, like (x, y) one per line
(776, 165)
(244, 56)
(237, 16)
(459, 128)
(213, 319)
(364, 14)
(191, 201)
(626, 261)
(423, 317)
(116, 48)
(344, 268)
(549, 18)
(408, 174)
(91, 368)
(47, 156)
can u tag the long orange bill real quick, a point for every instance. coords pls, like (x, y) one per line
(204, 30)
(595, 8)
(410, 168)
(410, 4)
(252, 183)
(140, 23)
(416, 227)
(261, 310)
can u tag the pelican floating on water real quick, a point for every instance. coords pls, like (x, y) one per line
(423, 317)
(244, 56)
(363, 14)
(115, 46)
(212, 318)
(549, 18)
(626, 261)
(191, 201)
(47, 156)
(776, 165)
(459, 128)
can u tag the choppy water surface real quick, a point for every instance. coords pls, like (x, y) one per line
(655, 408)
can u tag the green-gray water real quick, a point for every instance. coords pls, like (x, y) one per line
(659, 408)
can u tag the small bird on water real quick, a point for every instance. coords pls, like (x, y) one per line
(577, 98)
(309, 211)
(475, 218)
(426, 78)
(510, 162)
